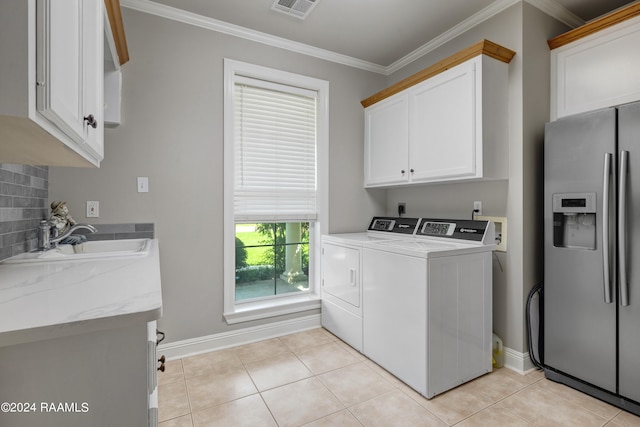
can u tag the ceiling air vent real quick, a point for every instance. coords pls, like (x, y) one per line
(298, 8)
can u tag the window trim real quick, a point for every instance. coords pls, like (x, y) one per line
(244, 312)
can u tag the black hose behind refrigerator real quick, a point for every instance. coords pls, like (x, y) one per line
(540, 290)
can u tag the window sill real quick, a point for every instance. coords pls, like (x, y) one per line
(271, 308)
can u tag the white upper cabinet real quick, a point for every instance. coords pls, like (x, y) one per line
(387, 141)
(446, 123)
(59, 75)
(443, 138)
(51, 78)
(596, 65)
(93, 77)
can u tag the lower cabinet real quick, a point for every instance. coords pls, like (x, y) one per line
(154, 364)
(102, 378)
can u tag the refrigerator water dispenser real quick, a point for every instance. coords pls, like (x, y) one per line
(574, 220)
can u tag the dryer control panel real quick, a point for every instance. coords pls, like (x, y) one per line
(394, 224)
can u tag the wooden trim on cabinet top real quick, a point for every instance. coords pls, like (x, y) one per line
(117, 28)
(596, 25)
(484, 47)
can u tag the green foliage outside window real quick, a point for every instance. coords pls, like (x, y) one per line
(261, 250)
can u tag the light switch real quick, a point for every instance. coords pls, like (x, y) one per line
(143, 184)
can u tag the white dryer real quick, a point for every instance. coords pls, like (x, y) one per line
(342, 274)
(427, 304)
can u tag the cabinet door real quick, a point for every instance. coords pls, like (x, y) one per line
(341, 273)
(596, 72)
(59, 62)
(442, 130)
(386, 141)
(93, 75)
(100, 377)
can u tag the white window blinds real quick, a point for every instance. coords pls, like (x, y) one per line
(275, 152)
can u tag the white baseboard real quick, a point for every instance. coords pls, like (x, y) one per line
(193, 346)
(516, 361)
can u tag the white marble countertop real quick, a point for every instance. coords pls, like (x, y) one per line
(48, 300)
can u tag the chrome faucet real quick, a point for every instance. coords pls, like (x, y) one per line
(46, 241)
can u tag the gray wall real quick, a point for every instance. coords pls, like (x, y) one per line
(172, 132)
(537, 29)
(23, 203)
(524, 29)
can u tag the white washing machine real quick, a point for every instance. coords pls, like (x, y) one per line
(427, 304)
(342, 274)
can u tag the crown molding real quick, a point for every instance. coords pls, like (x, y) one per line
(550, 7)
(194, 19)
(484, 47)
(488, 12)
(555, 10)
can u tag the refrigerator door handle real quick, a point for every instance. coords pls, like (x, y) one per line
(606, 259)
(622, 229)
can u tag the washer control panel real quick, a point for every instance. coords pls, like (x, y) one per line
(432, 228)
(459, 229)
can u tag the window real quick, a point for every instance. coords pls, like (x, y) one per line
(272, 259)
(275, 141)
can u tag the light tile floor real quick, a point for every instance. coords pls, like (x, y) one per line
(314, 379)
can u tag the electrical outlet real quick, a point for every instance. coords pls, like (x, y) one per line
(93, 209)
(477, 208)
(402, 208)
(501, 230)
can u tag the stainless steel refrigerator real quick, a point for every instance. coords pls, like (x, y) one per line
(592, 254)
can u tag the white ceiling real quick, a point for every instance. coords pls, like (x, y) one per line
(376, 31)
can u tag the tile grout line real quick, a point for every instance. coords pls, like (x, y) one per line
(315, 376)
(504, 398)
(300, 348)
(256, 385)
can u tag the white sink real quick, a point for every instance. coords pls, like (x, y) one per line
(89, 250)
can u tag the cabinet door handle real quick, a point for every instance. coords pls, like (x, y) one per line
(159, 337)
(162, 367)
(402, 171)
(412, 171)
(91, 121)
